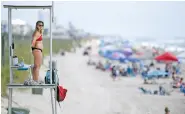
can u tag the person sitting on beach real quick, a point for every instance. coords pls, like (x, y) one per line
(152, 64)
(99, 65)
(182, 88)
(134, 66)
(162, 90)
(180, 82)
(107, 65)
(123, 72)
(177, 82)
(146, 81)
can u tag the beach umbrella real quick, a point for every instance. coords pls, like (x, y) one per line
(109, 47)
(129, 59)
(116, 56)
(132, 59)
(166, 57)
(123, 60)
(127, 51)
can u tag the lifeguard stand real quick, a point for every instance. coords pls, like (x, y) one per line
(12, 85)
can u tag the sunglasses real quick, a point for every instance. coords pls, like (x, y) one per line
(41, 25)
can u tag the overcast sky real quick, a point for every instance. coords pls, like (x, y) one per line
(151, 19)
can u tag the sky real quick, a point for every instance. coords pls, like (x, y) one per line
(155, 19)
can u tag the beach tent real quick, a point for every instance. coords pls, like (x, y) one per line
(166, 57)
(156, 73)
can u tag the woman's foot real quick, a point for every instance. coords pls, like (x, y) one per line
(32, 82)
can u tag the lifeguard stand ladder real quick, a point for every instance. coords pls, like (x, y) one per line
(11, 85)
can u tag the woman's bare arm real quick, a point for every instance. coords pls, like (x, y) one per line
(35, 36)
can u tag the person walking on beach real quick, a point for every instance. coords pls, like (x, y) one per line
(37, 48)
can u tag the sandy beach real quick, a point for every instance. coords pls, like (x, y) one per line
(92, 91)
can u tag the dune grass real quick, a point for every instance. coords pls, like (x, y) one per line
(22, 49)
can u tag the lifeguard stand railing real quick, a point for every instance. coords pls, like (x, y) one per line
(12, 85)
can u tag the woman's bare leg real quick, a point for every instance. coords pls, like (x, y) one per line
(37, 64)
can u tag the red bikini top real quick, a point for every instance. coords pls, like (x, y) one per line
(40, 38)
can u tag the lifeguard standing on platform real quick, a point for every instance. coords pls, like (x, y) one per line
(37, 47)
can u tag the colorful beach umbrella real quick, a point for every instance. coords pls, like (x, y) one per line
(166, 57)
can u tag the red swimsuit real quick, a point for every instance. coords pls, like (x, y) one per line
(38, 39)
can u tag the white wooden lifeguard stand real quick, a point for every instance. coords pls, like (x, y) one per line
(12, 85)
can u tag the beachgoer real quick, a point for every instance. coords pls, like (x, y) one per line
(114, 72)
(146, 81)
(167, 111)
(173, 76)
(181, 80)
(177, 82)
(123, 72)
(152, 64)
(161, 90)
(178, 67)
(37, 48)
(129, 71)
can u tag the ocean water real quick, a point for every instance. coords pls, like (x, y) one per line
(168, 45)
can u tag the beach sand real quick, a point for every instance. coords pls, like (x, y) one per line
(92, 91)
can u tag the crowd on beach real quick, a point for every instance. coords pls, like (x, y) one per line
(149, 70)
(135, 70)
(158, 76)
